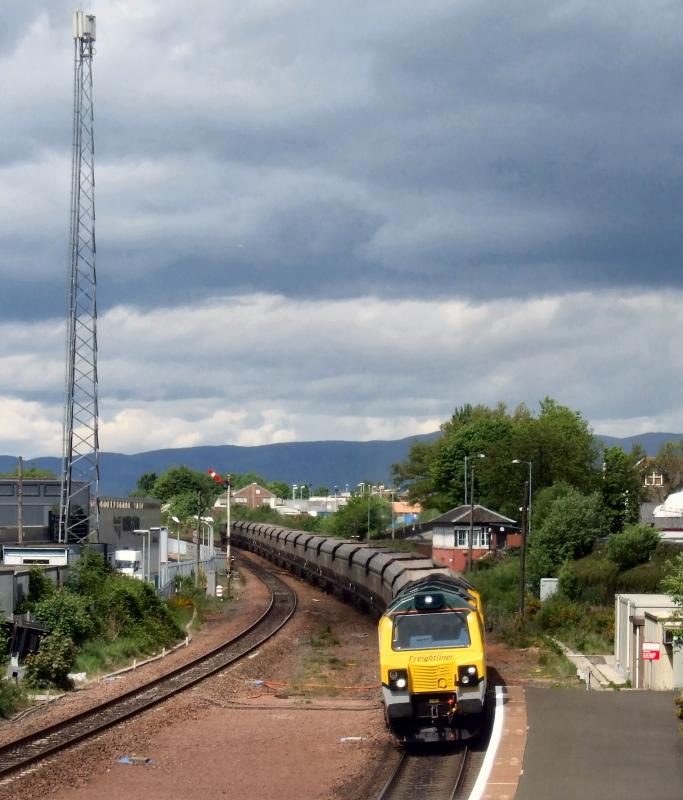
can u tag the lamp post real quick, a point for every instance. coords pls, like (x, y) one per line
(471, 536)
(177, 530)
(467, 458)
(228, 566)
(526, 523)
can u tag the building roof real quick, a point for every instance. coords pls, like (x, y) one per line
(253, 486)
(406, 508)
(671, 507)
(481, 515)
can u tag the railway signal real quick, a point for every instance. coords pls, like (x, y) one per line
(226, 483)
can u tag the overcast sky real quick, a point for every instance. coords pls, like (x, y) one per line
(321, 220)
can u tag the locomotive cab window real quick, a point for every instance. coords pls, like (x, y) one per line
(424, 631)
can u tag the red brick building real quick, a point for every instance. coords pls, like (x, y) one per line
(253, 496)
(490, 532)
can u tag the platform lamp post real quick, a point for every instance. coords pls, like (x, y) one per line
(526, 533)
(177, 531)
(467, 458)
(228, 487)
(470, 541)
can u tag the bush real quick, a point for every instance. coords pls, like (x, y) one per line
(11, 698)
(39, 585)
(89, 573)
(570, 528)
(644, 578)
(632, 547)
(53, 661)
(569, 582)
(126, 606)
(67, 613)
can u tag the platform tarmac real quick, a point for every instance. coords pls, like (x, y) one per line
(622, 745)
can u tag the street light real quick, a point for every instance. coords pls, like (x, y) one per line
(525, 534)
(177, 530)
(471, 539)
(478, 455)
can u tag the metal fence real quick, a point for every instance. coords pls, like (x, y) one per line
(185, 569)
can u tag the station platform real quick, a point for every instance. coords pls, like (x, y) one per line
(617, 745)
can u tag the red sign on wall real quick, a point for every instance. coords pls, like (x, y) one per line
(650, 651)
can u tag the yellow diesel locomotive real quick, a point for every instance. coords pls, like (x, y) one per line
(433, 660)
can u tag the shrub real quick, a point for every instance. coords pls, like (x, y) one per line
(39, 585)
(644, 578)
(67, 613)
(89, 573)
(570, 528)
(126, 606)
(53, 661)
(11, 698)
(569, 582)
(632, 547)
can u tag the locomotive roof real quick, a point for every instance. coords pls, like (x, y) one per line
(454, 592)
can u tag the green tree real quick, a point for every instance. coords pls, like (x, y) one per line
(279, 489)
(558, 442)
(620, 488)
(89, 573)
(39, 585)
(244, 479)
(669, 462)
(185, 505)
(145, 484)
(68, 613)
(633, 546)
(672, 584)
(53, 661)
(561, 446)
(544, 501)
(569, 530)
(181, 480)
(351, 521)
(415, 473)
(31, 472)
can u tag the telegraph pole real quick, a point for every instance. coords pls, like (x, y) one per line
(522, 549)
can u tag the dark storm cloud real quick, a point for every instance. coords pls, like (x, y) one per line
(480, 148)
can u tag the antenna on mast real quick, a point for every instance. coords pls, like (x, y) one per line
(79, 502)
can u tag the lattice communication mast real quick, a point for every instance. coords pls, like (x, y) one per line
(79, 505)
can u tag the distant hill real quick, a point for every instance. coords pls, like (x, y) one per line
(650, 442)
(332, 463)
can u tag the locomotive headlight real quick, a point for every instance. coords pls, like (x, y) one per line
(467, 675)
(398, 679)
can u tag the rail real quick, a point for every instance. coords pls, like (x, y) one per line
(427, 776)
(22, 752)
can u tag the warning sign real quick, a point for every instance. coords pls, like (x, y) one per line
(650, 651)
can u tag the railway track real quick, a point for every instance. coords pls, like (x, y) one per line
(24, 752)
(429, 776)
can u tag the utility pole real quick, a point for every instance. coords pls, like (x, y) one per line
(196, 558)
(20, 500)
(522, 549)
(470, 539)
(79, 501)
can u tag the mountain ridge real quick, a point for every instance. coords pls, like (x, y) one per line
(333, 462)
